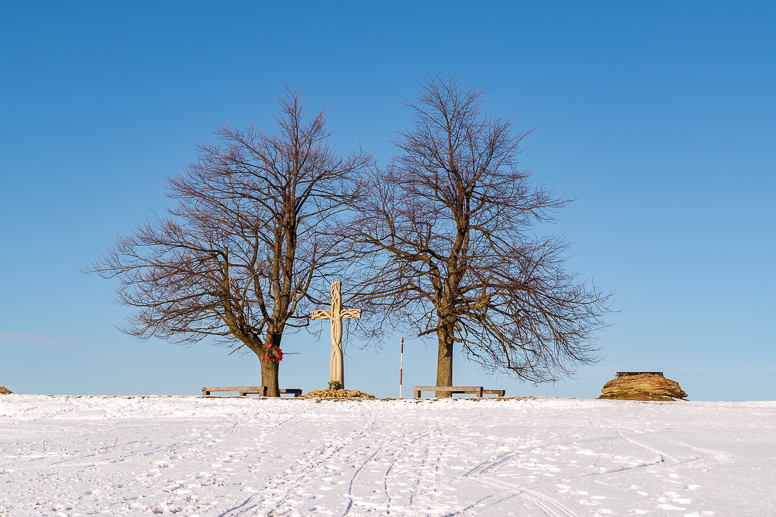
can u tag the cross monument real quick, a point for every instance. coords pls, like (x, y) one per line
(337, 365)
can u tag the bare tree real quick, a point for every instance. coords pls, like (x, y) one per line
(450, 251)
(235, 258)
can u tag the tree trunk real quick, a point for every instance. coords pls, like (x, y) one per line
(269, 376)
(444, 362)
(270, 365)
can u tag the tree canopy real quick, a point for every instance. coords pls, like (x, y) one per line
(236, 256)
(446, 235)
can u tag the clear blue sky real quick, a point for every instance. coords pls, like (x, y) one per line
(660, 117)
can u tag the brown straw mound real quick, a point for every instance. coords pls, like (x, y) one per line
(338, 394)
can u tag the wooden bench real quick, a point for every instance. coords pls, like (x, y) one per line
(245, 390)
(628, 374)
(476, 390)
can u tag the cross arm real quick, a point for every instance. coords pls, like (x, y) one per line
(351, 313)
(321, 314)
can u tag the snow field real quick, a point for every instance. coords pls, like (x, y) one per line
(68, 456)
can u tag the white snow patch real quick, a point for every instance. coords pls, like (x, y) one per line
(248, 457)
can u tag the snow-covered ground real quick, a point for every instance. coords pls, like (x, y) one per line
(556, 457)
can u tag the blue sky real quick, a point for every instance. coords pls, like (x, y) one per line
(659, 117)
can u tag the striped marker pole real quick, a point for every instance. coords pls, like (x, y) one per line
(401, 366)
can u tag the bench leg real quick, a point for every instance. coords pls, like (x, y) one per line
(478, 393)
(205, 393)
(417, 394)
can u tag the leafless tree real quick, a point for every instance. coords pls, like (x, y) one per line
(450, 250)
(236, 256)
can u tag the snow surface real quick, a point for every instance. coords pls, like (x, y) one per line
(69, 456)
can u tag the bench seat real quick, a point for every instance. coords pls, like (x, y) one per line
(478, 391)
(245, 390)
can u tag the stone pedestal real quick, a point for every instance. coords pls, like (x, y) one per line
(645, 386)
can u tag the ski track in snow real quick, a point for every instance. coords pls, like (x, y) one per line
(243, 457)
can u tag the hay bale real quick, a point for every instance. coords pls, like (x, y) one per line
(642, 387)
(338, 394)
(5, 391)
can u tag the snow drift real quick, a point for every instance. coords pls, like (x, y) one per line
(69, 456)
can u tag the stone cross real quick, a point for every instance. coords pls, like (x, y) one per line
(337, 365)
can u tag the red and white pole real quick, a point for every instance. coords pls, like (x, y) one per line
(401, 366)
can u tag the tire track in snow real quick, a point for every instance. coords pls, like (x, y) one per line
(296, 480)
(423, 463)
(545, 503)
(284, 422)
(243, 511)
(488, 464)
(719, 457)
(477, 502)
(392, 447)
(125, 452)
(494, 463)
(395, 456)
(660, 453)
(355, 475)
